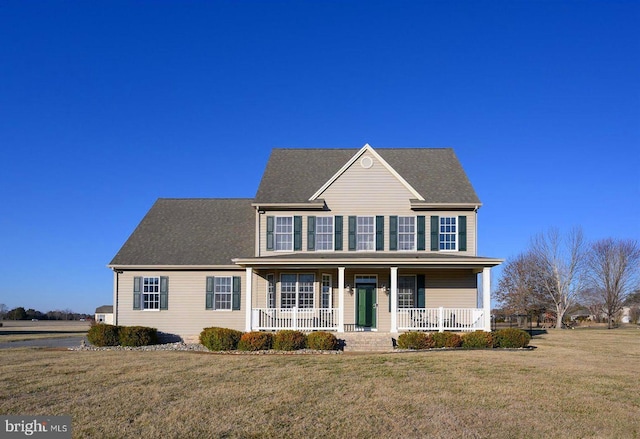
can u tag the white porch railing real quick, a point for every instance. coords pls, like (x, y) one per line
(304, 319)
(440, 319)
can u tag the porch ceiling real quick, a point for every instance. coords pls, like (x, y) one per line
(431, 260)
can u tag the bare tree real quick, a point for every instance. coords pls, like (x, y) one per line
(560, 261)
(519, 288)
(614, 268)
(3, 310)
(591, 298)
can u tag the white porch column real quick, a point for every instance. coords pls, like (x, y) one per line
(248, 303)
(393, 297)
(340, 299)
(486, 297)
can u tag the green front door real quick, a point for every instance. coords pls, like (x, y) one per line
(366, 305)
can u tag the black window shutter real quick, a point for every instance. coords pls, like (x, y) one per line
(393, 233)
(420, 236)
(421, 291)
(352, 233)
(269, 233)
(209, 293)
(297, 233)
(311, 233)
(379, 233)
(337, 245)
(235, 299)
(164, 292)
(435, 233)
(462, 233)
(137, 286)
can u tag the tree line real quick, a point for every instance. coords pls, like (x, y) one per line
(20, 313)
(559, 271)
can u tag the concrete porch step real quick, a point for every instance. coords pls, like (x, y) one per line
(367, 341)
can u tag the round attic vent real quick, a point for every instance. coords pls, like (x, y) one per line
(366, 162)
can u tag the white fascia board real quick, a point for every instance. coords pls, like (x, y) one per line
(445, 262)
(318, 205)
(420, 204)
(367, 148)
(172, 267)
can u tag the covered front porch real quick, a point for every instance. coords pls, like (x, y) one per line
(368, 294)
(327, 319)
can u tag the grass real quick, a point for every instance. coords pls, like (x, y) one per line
(21, 330)
(580, 383)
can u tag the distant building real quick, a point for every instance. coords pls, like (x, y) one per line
(104, 314)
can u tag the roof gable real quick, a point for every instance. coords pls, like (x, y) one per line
(297, 175)
(365, 152)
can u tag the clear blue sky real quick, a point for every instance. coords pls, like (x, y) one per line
(106, 106)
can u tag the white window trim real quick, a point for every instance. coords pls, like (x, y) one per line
(142, 294)
(275, 291)
(276, 234)
(333, 234)
(373, 219)
(455, 249)
(322, 278)
(297, 289)
(414, 298)
(415, 234)
(214, 294)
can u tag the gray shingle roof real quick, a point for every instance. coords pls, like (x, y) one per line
(294, 175)
(191, 232)
(104, 309)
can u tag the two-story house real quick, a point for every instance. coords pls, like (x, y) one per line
(335, 239)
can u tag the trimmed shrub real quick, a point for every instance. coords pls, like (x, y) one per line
(288, 340)
(477, 340)
(103, 335)
(255, 341)
(220, 339)
(322, 341)
(137, 336)
(446, 340)
(511, 338)
(415, 340)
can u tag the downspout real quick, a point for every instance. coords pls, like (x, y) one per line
(475, 235)
(116, 294)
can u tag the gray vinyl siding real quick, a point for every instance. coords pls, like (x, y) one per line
(186, 315)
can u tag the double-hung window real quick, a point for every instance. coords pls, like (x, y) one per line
(406, 291)
(283, 233)
(365, 233)
(271, 291)
(448, 233)
(297, 290)
(151, 293)
(222, 292)
(406, 233)
(324, 233)
(325, 301)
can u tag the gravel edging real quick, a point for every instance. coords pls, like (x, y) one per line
(195, 347)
